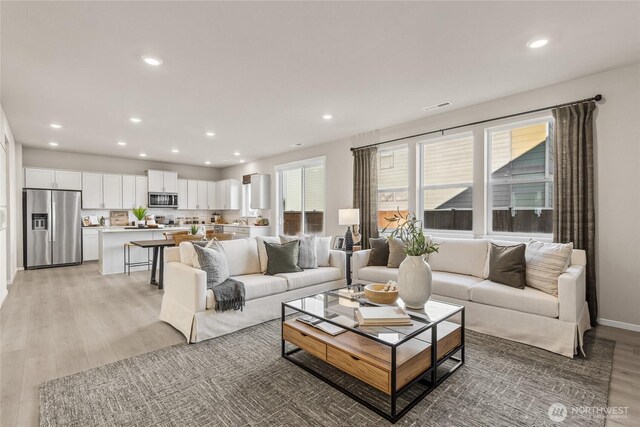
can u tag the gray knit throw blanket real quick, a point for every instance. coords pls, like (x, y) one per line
(229, 295)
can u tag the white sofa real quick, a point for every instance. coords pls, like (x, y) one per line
(460, 270)
(187, 304)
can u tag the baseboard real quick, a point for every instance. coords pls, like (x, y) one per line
(13, 276)
(619, 325)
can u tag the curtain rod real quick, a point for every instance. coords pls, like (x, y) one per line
(537, 110)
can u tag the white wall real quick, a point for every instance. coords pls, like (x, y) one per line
(617, 174)
(10, 249)
(56, 159)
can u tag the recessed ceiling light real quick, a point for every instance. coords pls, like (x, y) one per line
(122, 143)
(175, 150)
(210, 134)
(535, 44)
(297, 144)
(150, 60)
(143, 155)
(207, 162)
(241, 161)
(55, 126)
(327, 117)
(135, 119)
(236, 153)
(53, 144)
(435, 107)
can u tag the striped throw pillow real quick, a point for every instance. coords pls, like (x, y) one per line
(545, 263)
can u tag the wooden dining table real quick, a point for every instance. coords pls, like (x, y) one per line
(158, 258)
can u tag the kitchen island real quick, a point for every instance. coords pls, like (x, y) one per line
(111, 241)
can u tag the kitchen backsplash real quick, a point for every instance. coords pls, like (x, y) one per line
(167, 213)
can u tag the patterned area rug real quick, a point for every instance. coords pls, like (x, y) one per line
(240, 379)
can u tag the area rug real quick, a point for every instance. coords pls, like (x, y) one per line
(241, 380)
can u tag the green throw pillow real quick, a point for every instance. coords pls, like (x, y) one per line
(507, 265)
(282, 258)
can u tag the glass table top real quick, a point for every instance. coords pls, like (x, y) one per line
(335, 306)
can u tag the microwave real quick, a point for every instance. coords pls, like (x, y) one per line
(163, 200)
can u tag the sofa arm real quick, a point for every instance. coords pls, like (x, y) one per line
(359, 260)
(571, 293)
(172, 254)
(338, 259)
(186, 286)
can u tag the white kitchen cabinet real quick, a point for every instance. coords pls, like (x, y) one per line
(212, 200)
(128, 191)
(53, 179)
(228, 194)
(162, 181)
(89, 244)
(68, 180)
(183, 194)
(112, 191)
(192, 194)
(92, 190)
(203, 195)
(260, 191)
(141, 192)
(39, 178)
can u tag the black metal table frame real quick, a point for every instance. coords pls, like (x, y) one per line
(429, 377)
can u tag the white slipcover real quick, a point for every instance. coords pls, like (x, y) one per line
(527, 300)
(453, 285)
(312, 276)
(462, 256)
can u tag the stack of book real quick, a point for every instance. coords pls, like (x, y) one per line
(382, 316)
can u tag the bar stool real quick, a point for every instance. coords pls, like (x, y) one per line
(127, 259)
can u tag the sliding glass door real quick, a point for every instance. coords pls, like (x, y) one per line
(301, 197)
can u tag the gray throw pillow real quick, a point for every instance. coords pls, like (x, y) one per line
(214, 262)
(282, 258)
(507, 265)
(307, 254)
(396, 252)
(379, 254)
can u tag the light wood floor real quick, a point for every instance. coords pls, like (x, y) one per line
(56, 322)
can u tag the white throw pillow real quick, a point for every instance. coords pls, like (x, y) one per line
(461, 256)
(242, 255)
(307, 251)
(545, 263)
(323, 248)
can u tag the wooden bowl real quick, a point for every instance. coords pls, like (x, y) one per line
(374, 293)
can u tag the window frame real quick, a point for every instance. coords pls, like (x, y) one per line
(421, 187)
(279, 208)
(391, 149)
(489, 182)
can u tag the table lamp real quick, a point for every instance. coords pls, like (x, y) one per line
(348, 217)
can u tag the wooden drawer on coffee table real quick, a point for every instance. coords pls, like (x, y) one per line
(305, 342)
(360, 369)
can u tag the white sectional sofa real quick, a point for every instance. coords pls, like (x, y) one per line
(187, 304)
(460, 271)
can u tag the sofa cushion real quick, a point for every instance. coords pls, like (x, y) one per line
(453, 285)
(307, 251)
(262, 252)
(396, 252)
(323, 248)
(242, 256)
(379, 251)
(527, 300)
(462, 256)
(282, 258)
(507, 264)
(379, 274)
(214, 262)
(255, 286)
(305, 278)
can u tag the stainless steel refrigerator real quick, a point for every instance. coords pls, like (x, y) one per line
(52, 228)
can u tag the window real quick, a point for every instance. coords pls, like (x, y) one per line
(521, 177)
(301, 197)
(393, 182)
(447, 182)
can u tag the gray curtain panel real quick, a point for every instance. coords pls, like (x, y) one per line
(365, 191)
(573, 195)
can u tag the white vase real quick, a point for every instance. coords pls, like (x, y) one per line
(414, 282)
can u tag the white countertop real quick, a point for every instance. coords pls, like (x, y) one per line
(122, 229)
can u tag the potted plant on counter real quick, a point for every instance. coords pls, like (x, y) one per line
(194, 230)
(414, 274)
(140, 214)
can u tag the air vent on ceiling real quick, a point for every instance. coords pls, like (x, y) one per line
(435, 107)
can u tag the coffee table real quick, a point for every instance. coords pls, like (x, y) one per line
(392, 360)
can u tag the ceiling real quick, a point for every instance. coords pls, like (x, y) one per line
(262, 75)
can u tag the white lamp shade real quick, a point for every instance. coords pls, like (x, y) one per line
(348, 216)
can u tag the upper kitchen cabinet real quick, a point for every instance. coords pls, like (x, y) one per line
(228, 194)
(53, 179)
(260, 191)
(162, 181)
(141, 192)
(92, 191)
(212, 195)
(128, 191)
(183, 189)
(197, 194)
(112, 191)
